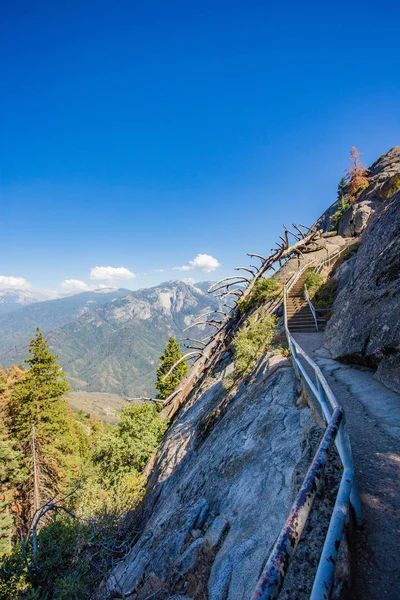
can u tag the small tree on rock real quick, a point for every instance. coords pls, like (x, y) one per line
(171, 354)
(356, 175)
(341, 191)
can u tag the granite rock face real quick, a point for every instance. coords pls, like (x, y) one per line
(365, 326)
(355, 219)
(222, 484)
(384, 178)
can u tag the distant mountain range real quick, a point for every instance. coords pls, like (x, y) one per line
(109, 341)
(14, 299)
(18, 326)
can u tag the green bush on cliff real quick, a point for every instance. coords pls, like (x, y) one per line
(321, 292)
(250, 341)
(128, 446)
(263, 291)
(313, 281)
(335, 218)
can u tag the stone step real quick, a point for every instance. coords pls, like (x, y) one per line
(301, 322)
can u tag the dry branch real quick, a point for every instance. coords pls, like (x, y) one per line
(192, 340)
(262, 258)
(182, 358)
(244, 269)
(212, 322)
(211, 352)
(238, 277)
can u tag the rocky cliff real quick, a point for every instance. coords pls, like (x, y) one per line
(222, 483)
(229, 467)
(365, 326)
(384, 181)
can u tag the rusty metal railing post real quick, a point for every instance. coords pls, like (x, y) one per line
(326, 567)
(273, 575)
(344, 449)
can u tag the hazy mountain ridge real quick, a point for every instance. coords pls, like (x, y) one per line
(116, 347)
(19, 326)
(14, 299)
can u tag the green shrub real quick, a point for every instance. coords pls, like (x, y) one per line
(321, 292)
(313, 281)
(335, 218)
(72, 558)
(283, 349)
(128, 446)
(263, 290)
(250, 342)
(325, 295)
(74, 554)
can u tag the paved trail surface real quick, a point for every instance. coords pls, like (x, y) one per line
(373, 417)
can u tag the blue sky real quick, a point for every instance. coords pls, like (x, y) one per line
(139, 135)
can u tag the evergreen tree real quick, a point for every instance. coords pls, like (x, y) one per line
(11, 476)
(342, 188)
(38, 418)
(171, 354)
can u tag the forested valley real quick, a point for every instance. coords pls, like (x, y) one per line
(67, 480)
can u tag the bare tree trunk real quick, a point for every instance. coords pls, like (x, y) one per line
(36, 472)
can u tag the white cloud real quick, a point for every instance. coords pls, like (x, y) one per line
(158, 270)
(74, 286)
(202, 262)
(14, 282)
(111, 273)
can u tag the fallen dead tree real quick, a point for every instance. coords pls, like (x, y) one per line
(207, 354)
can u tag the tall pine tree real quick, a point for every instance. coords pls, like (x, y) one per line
(11, 475)
(171, 354)
(38, 418)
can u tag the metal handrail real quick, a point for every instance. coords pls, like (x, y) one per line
(328, 260)
(273, 575)
(311, 305)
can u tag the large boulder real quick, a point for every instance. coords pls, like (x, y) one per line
(365, 326)
(355, 219)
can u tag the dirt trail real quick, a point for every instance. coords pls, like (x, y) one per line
(373, 417)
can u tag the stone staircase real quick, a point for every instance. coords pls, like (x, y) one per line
(299, 315)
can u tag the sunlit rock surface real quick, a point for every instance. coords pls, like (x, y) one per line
(222, 486)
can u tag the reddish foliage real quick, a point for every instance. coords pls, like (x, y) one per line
(356, 175)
